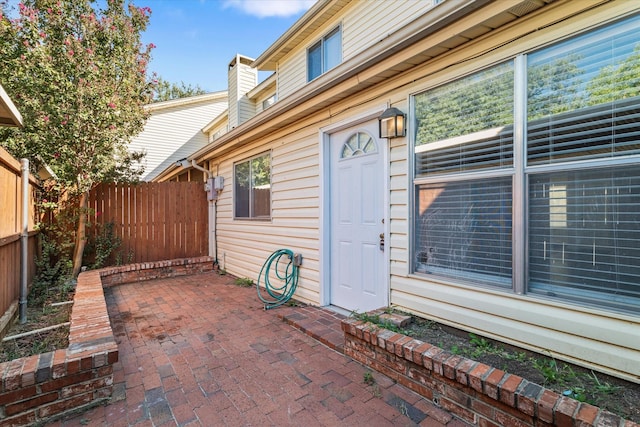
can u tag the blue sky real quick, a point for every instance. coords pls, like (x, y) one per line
(196, 39)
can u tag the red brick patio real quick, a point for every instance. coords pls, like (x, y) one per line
(201, 351)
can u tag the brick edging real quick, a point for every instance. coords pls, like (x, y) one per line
(473, 391)
(154, 270)
(40, 387)
(47, 386)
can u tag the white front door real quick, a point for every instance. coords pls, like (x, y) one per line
(357, 219)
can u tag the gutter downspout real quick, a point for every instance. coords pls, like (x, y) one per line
(24, 240)
(213, 247)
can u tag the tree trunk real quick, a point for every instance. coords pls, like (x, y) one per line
(81, 234)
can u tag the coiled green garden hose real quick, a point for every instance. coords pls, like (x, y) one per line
(287, 274)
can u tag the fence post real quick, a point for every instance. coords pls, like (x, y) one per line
(24, 239)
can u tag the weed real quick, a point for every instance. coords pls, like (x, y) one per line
(368, 378)
(402, 408)
(577, 393)
(376, 391)
(244, 282)
(602, 388)
(480, 343)
(520, 356)
(548, 368)
(376, 320)
(553, 372)
(101, 247)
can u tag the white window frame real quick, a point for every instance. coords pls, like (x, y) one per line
(250, 214)
(520, 172)
(321, 44)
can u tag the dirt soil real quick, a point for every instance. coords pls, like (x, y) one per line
(610, 393)
(40, 342)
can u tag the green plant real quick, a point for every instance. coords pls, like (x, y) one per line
(481, 346)
(520, 356)
(245, 282)
(554, 372)
(376, 320)
(53, 273)
(368, 378)
(121, 261)
(602, 387)
(480, 343)
(548, 368)
(105, 243)
(577, 393)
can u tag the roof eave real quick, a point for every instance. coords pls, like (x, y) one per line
(213, 96)
(9, 114)
(348, 70)
(216, 121)
(268, 60)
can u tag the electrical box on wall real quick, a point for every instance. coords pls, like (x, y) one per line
(211, 193)
(218, 183)
(213, 187)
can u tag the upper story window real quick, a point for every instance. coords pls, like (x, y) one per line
(325, 54)
(252, 187)
(269, 102)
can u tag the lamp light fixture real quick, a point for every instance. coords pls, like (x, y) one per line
(392, 123)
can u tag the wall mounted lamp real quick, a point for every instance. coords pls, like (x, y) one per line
(392, 123)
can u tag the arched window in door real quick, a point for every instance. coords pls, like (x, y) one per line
(358, 144)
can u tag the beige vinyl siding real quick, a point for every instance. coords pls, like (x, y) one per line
(242, 78)
(234, 94)
(595, 338)
(247, 80)
(398, 204)
(219, 130)
(363, 25)
(244, 245)
(174, 133)
(292, 73)
(371, 21)
(259, 101)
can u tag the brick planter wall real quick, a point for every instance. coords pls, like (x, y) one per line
(473, 391)
(155, 270)
(47, 386)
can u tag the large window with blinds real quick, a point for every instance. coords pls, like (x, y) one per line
(463, 220)
(553, 134)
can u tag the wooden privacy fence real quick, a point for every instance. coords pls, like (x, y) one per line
(155, 220)
(10, 230)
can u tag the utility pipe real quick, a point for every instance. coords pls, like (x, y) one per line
(213, 247)
(200, 168)
(24, 239)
